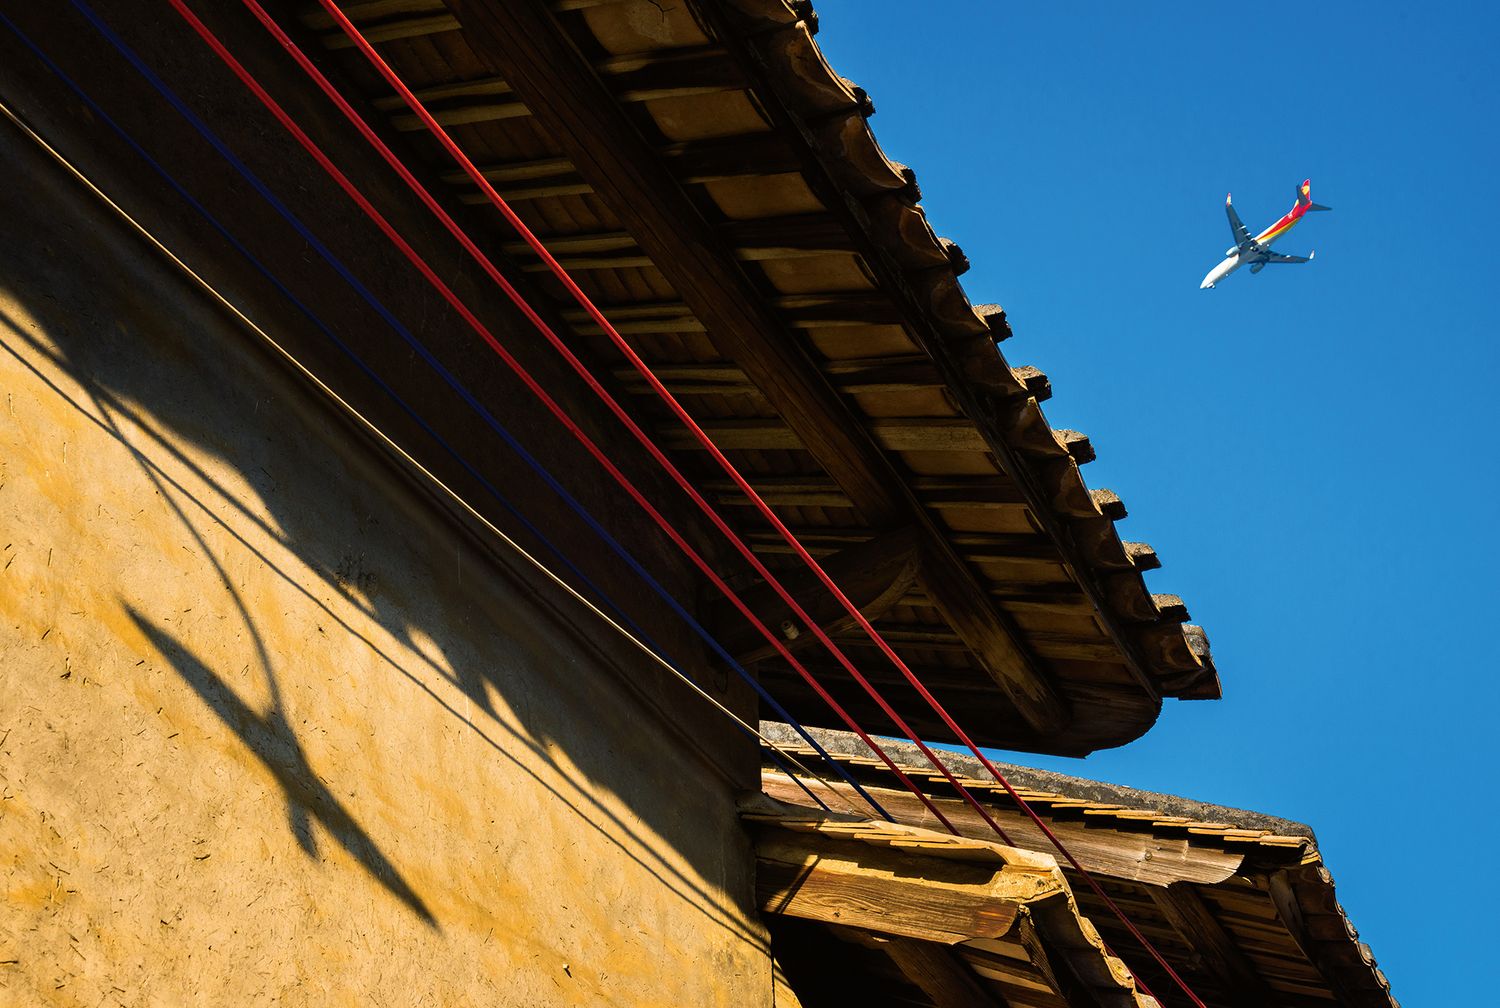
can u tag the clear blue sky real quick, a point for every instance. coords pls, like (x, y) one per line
(1310, 450)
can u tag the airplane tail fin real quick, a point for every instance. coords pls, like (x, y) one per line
(1304, 196)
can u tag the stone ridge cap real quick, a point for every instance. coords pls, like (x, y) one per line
(964, 764)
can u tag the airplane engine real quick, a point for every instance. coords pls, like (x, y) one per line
(1231, 250)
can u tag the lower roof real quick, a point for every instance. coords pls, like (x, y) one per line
(1239, 902)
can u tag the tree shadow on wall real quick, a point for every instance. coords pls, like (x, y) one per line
(273, 742)
(182, 384)
(527, 641)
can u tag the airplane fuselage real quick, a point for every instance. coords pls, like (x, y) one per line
(1229, 265)
(1256, 251)
(1233, 261)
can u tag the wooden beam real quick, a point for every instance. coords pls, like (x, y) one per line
(837, 308)
(980, 493)
(1284, 898)
(781, 491)
(1073, 647)
(1017, 592)
(969, 492)
(513, 193)
(894, 434)
(1020, 986)
(808, 234)
(800, 311)
(980, 547)
(587, 263)
(676, 73)
(796, 237)
(632, 78)
(383, 21)
(1220, 956)
(484, 87)
(901, 374)
(846, 883)
(1030, 939)
(464, 115)
(702, 161)
(523, 180)
(1034, 572)
(523, 42)
(731, 157)
(389, 31)
(875, 575)
(367, 10)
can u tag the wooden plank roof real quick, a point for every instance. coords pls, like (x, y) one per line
(714, 186)
(961, 920)
(1240, 903)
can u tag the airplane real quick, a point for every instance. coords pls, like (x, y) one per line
(1256, 252)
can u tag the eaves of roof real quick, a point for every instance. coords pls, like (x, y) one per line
(1030, 612)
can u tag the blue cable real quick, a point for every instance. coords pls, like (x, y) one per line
(344, 272)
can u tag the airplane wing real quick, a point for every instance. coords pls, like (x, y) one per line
(1274, 257)
(1242, 237)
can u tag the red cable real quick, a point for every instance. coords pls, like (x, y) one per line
(431, 276)
(447, 293)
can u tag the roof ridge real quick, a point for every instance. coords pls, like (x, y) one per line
(1127, 802)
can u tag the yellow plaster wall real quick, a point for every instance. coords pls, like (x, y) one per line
(269, 732)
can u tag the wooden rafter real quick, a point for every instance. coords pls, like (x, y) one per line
(631, 78)
(781, 238)
(798, 311)
(696, 162)
(966, 492)
(525, 45)
(900, 434)
(717, 379)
